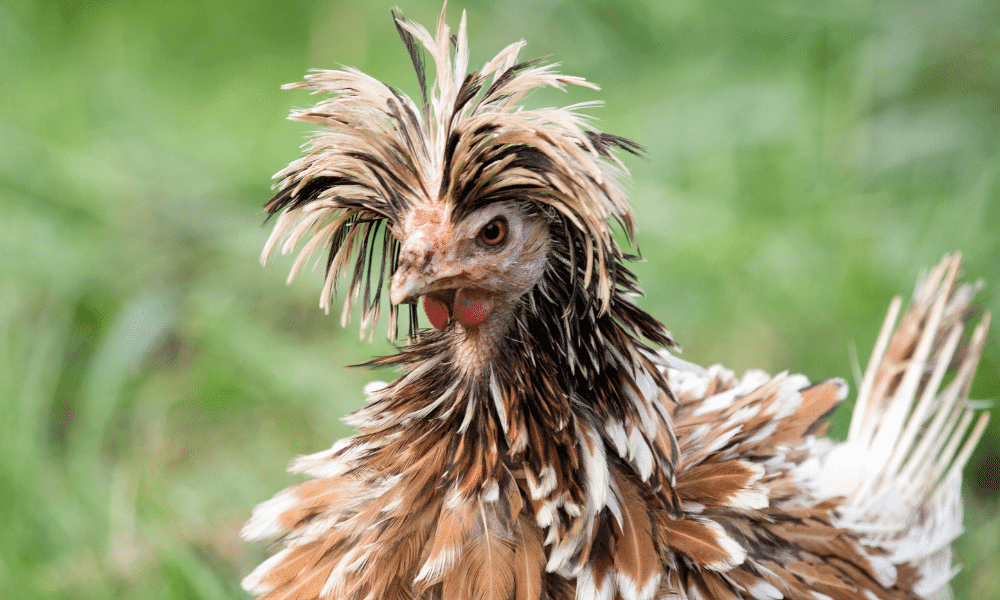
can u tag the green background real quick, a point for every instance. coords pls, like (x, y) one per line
(805, 161)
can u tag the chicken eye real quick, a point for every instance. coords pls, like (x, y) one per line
(494, 234)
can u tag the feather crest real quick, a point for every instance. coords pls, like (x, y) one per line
(467, 142)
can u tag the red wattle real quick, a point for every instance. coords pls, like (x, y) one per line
(437, 312)
(471, 311)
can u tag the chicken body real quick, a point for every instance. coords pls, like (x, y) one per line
(542, 442)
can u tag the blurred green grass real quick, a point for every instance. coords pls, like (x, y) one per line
(805, 162)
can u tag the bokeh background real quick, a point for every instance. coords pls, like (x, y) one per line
(806, 160)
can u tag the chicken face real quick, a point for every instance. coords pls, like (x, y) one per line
(471, 271)
(460, 197)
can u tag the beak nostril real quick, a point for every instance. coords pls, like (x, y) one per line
(417, 268)
(426, 266)
(421, 260)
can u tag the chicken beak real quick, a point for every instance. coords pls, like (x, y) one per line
(408, 284)
(422, 269)
(423, 259)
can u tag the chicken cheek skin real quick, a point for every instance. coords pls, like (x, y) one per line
(437, 312)
(471, 309)
(468, 309)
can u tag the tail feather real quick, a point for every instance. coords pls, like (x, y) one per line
(911, 433)
(874, 515)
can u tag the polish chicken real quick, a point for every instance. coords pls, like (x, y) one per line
(543, 441)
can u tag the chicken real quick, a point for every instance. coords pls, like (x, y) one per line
(543, 440)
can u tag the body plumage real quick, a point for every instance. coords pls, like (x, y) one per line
(542, 440)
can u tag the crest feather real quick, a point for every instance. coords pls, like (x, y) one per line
(467, 143)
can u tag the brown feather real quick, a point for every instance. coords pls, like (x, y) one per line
(636, 558)
(299, 561)
(716, 483)
(711, 585)
(702, 541)
(529, 561)
(486, 569)
(450, 534)
(822, 577)
(306, 586)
